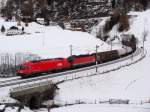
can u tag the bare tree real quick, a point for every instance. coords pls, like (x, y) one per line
(10, 63)
(2, 4)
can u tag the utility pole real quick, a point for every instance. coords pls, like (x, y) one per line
(126, 49)
(43, 39)
(96, 57)
(19, 13)
(143, 43)
(132, 57)
(145, 33)
(71, 50)
(111, 44)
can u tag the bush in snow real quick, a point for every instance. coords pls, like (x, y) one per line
(2, 29)
(107, 27)
(112, 21)
(61, 24)
(123, 23)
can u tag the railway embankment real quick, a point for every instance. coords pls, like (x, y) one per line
(33, 92)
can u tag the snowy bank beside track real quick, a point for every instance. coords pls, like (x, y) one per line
(103, 68)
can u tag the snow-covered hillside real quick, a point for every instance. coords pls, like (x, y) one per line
(127, 83)
(50, 41)
(141, 25)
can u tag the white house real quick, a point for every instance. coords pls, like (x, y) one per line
(14, 31)
(40, 21)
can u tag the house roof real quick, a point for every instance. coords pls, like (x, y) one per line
(13, 28)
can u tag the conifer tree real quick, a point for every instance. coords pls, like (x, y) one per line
(2, 29)
(113, 4)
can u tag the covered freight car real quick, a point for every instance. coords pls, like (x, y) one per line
(106, 56)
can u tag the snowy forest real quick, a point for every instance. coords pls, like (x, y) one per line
(56, 10)
(64, 10)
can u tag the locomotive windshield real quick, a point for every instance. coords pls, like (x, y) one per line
(23, 67)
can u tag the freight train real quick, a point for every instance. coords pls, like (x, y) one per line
(47, 66)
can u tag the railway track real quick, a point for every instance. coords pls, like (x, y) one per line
(51, 76)
(10, 80)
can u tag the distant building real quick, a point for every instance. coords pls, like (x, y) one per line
(40, 21)
(14, 31)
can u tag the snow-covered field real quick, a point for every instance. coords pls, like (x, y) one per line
(103, 108)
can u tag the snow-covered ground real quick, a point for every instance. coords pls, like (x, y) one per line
(103, 108)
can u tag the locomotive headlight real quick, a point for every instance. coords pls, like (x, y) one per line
(59, 64)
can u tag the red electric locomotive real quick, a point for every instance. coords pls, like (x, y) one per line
(81, 60)
(34, 68)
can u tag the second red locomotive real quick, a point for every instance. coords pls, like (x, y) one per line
(34, 68)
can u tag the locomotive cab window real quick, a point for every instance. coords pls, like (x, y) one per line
(22, 67)
(70, 58)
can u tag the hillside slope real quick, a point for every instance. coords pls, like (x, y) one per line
(127, 83)
(48, 42)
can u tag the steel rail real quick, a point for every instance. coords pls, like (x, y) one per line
(10, 80)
